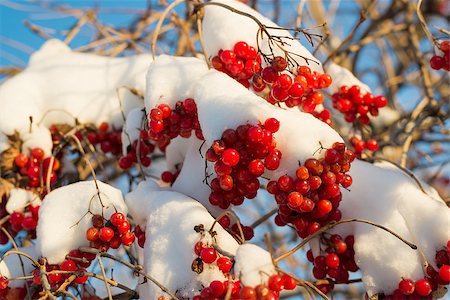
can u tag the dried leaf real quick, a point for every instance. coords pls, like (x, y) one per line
(5, 187)
(7, 157)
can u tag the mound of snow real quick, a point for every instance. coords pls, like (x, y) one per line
(253, 265)
(343, 76)
(385, 195)
(65, 215)
(169, 246)
(19, 199)
(60, 85)
(222, 29)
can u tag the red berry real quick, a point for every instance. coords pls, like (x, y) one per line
(124, 227)
(324, 207)
(29, 223)
(380, 101)
(279, 63)
(227, 56)
(92, 234)
(224, 264)
(241, 49)
(3, 283)
(117, 218)
(247, 293)
(128, 238)
(289, 282)
(105, 234)
(272, 125)
(437, 62)
(125, 162)
(103, 127)
(423, 287)
(68, 265)
(256, 167)
(269, 74)
(295, 200)
(445, 46)
(81, 279)
(230, 157)
(406, 286)
(275, 283)
(372, 145)
(332, 260)
(444, 273)
(37, 153)
(16, 218)
(208, 255)
(21, 160)
(217, 288)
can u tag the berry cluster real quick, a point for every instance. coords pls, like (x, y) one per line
(35, 168)
(336, 262)
(26, 220)
(324, 116)
(311, 200)
(275, 284)
(422, 288)
(357, 106)
(144, 147)
(275, 82)
(359, 145)
(110, 234)
(240, 157)
(110, 141)
(241, 63)
(77, 263)
(166, 123)
(209, 255)
(442, 62)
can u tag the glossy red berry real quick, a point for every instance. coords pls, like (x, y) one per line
(423, 287)
(444, 273)
(21, 160)
(332, 260)
(224, 264)
(208, 255)
(117, 218)
(272, 124)
(275, 283)
(92, 234)
(37, 153)
(230, 157)
(406, 286)
(68, 265)
(105, 234)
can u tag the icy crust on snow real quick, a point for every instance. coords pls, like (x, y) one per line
(64, 216)
(60, 85)
(223, 103)
(222, 29)
(15, 265)
(169, 246)
(387, 196)
(253, 265)
(171, 79)
(19, 198)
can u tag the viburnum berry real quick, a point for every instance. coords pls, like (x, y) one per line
(224, 264)
(105, 234)
(37, 153)
(247, 293)
(81, 279)
(21, 160)
(423, 287)
(332, 260)
(117, 218)
(406, 286)
(444, 273)
(68, 265)
(128, 238)
(92, 234)
(276, 283)
(208, 255)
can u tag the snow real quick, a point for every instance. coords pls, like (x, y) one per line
(343, 76)
(11, 265)
(403, 208)
(253, 265)
(222, 29)
(64, 216)
(168, 251)
(4, 142)
(19, 199)
(170, 79)
(131, 128)
(62, 85)
(38, 136)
